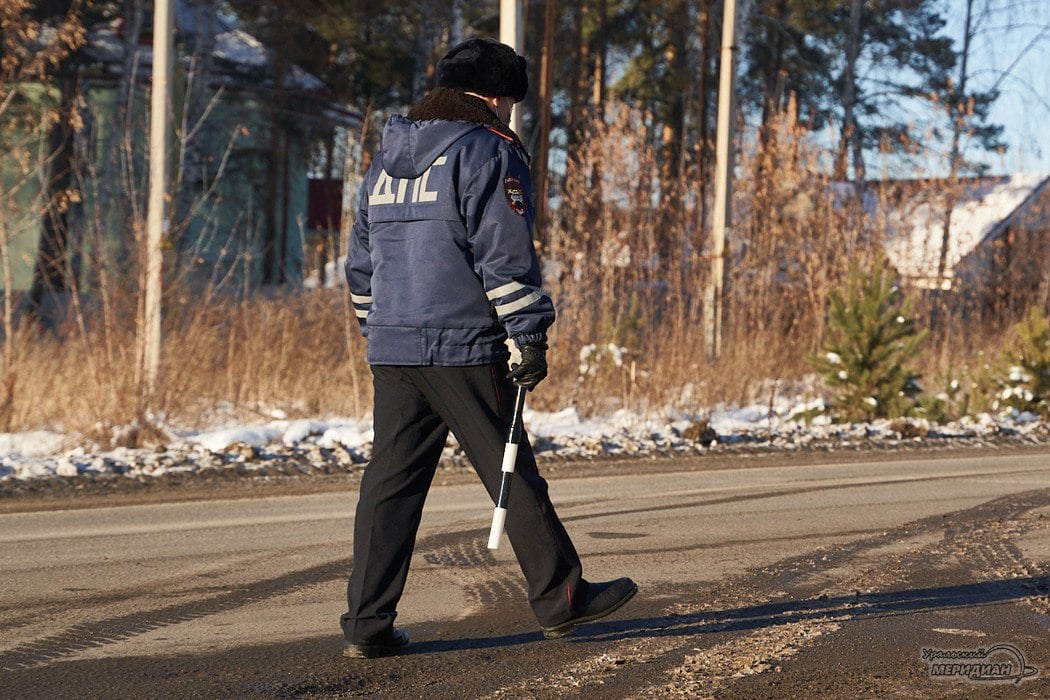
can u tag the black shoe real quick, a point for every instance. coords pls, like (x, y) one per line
(389, 644)
(601, 599)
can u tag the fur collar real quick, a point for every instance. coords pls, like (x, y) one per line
(453, 105)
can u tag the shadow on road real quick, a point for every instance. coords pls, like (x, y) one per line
(821, 608)
(824, 608)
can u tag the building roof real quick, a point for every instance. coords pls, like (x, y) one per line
(914, 220)
(239, 59)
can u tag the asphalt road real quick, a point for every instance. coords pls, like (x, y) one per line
(874, 576)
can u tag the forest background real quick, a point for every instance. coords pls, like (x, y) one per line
(833, 97)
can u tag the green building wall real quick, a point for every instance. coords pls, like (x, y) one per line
(223, 241)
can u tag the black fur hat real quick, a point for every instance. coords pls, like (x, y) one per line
(486, 67)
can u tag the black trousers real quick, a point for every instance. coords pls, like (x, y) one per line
(415, 407)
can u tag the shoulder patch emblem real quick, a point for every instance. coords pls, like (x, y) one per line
(515, 194)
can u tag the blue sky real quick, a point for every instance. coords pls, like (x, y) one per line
(1012, 48)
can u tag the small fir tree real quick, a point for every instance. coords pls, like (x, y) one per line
(871, 337)
(1024, 380)
(966, 393)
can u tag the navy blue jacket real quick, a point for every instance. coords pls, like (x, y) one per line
(441, 264)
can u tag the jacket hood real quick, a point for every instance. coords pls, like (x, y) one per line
(411, 144)
(410, 147)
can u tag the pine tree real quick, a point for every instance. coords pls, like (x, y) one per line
(871, 336)
(1025, 382)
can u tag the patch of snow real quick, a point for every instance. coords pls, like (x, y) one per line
(785, 422)
(37, 443)
(254, 436)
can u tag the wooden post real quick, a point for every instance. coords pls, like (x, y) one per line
(156, 217)
(512, 33)
(714, 296)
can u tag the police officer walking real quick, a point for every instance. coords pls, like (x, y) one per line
(442, 271)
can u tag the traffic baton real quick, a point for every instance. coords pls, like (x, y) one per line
(510, 456)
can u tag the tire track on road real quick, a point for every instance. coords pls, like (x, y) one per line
(86, 635)
(743, 607)
(990, 549)
(486, 581)
(752, 623)
(459, 550)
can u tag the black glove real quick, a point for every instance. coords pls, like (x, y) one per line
(533, 366)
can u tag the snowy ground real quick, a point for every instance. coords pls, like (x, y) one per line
(304, 447)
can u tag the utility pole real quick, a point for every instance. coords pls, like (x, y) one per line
(512, 33)
(157, 207)
(714, 294)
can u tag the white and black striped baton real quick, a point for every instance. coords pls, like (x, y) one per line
(510, 456)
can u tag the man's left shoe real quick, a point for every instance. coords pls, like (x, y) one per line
(389, 644)
(602, 599)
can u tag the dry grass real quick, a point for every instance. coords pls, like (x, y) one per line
(632, 274)
(236, 359)
(289, 353)
(627, 265)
